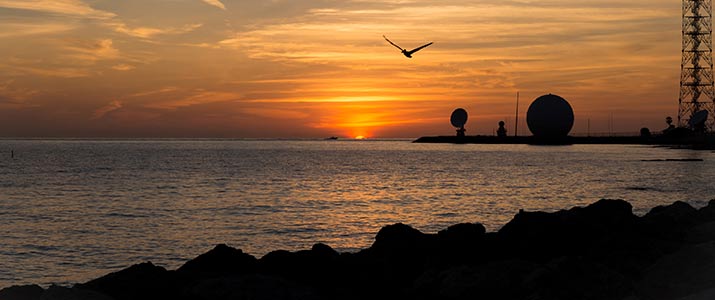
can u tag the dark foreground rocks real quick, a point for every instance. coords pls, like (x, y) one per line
(602, 251)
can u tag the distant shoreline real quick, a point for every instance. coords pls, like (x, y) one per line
(705, 142)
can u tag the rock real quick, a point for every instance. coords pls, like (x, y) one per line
(677, 213)
(398, 236)
(569, 278)
(221, 260)
(462, 233)
(495, 280)
(140, 281)
(702, 295)
(461, 244)
(689, 271)
(63, 293)
(707, 213)
(324, 252)
(315, 267)
(21, 292)
(398, 256)
(701, 233)
(251, 287)
(543, 236)
(670, 222)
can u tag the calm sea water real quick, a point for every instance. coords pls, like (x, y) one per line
(72, 210)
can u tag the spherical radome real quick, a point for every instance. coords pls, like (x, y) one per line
(550, 116)
(459, 117)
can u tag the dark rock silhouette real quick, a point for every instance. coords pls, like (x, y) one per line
(22, 292)
(140, 281)
(600, 251)
(222, 260)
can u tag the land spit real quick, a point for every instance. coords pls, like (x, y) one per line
(601, 251)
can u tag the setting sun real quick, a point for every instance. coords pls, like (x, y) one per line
(360, 137)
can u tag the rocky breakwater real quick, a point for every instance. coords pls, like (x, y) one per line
(602, 251)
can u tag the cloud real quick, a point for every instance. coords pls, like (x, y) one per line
(14, 96)
(15, 29)
(78, 9)
(123, 67)
(58, 7)
(110, 107)
(200, 97)
(93, 51)
(216, 3)
(149, 32)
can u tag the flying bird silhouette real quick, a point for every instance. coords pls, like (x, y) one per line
(407, 54)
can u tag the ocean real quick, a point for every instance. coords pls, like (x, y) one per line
(73, 210)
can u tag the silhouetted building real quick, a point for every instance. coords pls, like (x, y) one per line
(501, 132)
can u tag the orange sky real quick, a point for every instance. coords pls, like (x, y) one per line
(299, 68)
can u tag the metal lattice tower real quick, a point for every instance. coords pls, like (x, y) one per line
(697, 91)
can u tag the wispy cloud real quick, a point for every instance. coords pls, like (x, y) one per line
(59, 7)
(216, 3)
(123, 67)
(199, 97)
(90, 51)
(110, 107)
(17, 29)
(79, 9)
(12, 95)
(149, 32)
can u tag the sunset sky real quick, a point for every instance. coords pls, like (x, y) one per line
(299, 68)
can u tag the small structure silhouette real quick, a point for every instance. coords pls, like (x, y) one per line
(409, 53)
(501, 132)
(645, 132)
(669, 121)
(458, 119)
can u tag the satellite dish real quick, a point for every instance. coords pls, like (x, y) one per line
(459, 118)
(698, 118)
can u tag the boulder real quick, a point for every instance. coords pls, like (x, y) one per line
(701, 233)
(398, 256)
(707, 213)
(494, 280)
(314, 267)
(64, 293)
(222, 260)
(677, 213)
(461, 244)
(250, 287)
(689, 271)
(670, 222)
(140, 281)
(392, 237)
(464, 233)
(21, 292)
(543, 236)
(569, 278)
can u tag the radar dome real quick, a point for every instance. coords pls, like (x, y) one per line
(550, 116)
(459, 117)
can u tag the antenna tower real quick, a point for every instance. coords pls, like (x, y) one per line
(697, 91)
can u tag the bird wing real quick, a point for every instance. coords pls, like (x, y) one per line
(398, 47)
(420, 47)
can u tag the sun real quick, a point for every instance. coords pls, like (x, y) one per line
(360, 137)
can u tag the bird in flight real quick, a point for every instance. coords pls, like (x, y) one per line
(407, 54)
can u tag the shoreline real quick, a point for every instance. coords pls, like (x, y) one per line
(600, 251)
(704, 142)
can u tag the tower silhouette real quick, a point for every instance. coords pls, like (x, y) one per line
(696, 69)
